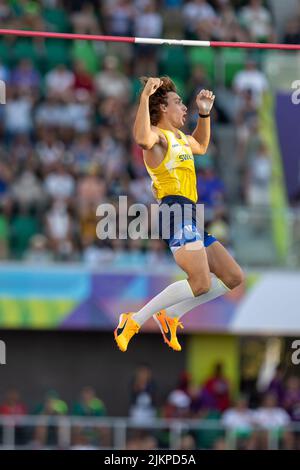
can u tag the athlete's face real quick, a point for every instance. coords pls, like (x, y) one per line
(175, 111)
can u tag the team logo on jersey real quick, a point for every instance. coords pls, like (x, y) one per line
(185, 157)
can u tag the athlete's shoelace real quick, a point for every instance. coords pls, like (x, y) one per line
(133, 329)
(177, 323)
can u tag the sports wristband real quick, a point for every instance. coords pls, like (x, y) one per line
(204, 115)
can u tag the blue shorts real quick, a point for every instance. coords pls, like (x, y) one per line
(181, 228)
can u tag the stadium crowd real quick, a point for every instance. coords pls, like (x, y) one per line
(66, 142)
(249, 419)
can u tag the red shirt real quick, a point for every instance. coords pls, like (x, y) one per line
(18, 409)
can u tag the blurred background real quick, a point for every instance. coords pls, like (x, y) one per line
(65, 147)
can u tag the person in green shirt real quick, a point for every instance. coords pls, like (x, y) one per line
(89, 404)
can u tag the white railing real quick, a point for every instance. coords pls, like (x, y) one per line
(116, 429)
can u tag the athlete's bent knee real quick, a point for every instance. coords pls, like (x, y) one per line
(235, 279)
(200, 286)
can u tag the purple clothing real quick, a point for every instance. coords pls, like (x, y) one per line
(204, 400)
(276, 388)
(210, 190)
(25, 78)
(291, 403)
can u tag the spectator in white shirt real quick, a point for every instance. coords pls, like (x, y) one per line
(59, 80)
(59, 230)
(60, 184)
(251, 78)
(149, 23)
(239, 420)
(18, 113)
(110, 82)
(48, 149)
(259, 178)
(273, 419)
(197, 11)
(258, 21)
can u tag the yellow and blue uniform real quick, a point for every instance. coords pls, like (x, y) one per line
(174, 182)
(176, 174)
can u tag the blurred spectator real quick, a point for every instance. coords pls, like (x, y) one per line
(197, 12)
(91, 190)
(111, 82)
(142, 441)
(251, 78)
(52, 405)
(148, 23)
(22, 149)
(5, 11)
(24, 77)
(59, 80)
(219, 226)
(197, 82)
(27, 189)
(38, 251)
(49, 150)
(24, 226)
(119, 17)
(210, 188)
(18, 112)
(85, 21)
(12, 404)
(217, 386)
(229, 28)
(82, 78)
(269, 416)
(49, 113)
(276, 386)
(78, 111)
(239, 420)
(142, 407)
(179, 400)
(89, 404)
(291, 397)
(59, 183)
(178, 405)
(258, 21)
(59, 230)
(187, 442)
(259, 178)
(292, 31)
(246, 124)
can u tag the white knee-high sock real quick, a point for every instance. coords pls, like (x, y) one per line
(217, 289)
(173, 294)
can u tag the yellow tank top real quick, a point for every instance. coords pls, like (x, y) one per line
(176, 174)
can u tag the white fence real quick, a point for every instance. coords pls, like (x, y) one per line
(20, 432)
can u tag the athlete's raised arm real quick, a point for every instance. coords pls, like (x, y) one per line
(143, 133)
(199, 140)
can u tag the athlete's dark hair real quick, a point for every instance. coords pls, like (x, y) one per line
(159, 97)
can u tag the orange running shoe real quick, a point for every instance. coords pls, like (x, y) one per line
(125, 330)
(168, 327)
